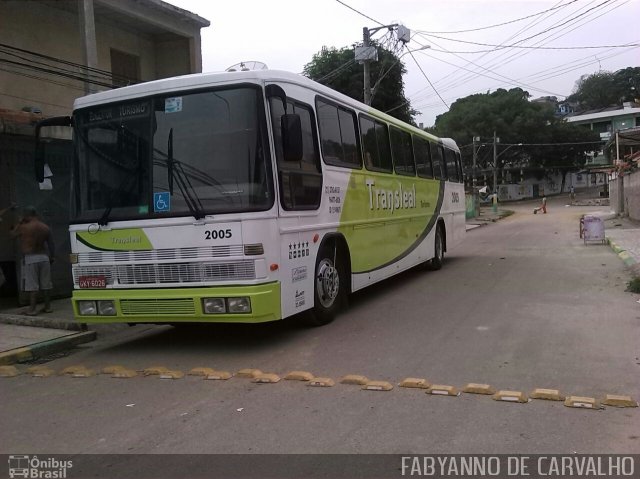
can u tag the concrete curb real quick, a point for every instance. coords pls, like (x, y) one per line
(45, 348)
(626, 258)
(40, 322)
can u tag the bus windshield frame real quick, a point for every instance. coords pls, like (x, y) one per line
(191, 153)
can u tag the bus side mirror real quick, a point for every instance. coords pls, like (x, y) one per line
(39, 152)
(291, 137)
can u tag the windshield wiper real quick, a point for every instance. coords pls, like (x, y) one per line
(176, 171)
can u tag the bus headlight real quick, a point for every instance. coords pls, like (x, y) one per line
(240, 305)
(87, 308)
(106, 308)
(214, 305)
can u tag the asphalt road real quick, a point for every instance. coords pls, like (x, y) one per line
(522, 304)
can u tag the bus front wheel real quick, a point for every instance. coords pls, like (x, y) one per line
(329, 286)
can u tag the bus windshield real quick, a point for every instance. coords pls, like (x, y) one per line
(186, 154)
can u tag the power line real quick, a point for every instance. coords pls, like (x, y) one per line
(425, 75)
(501, 47)
(360, 13)
(513, 56)
(504, 23)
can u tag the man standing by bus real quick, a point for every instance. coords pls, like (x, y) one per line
(36, 244)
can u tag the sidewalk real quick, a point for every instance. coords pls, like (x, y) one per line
(623, 235)
(28, 338)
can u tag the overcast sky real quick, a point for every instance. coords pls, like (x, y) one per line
(285, 34)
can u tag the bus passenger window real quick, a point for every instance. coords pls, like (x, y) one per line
(338, 135)
(436, 159)
(402, 152)
(451, 165)
(423, 157)
(375, 143)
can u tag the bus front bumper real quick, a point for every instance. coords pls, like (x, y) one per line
(179, 305)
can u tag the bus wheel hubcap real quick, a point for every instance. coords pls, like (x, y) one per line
(327, 283)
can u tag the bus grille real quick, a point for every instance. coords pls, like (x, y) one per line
(168, 254)
(132, 274)
(157, 307)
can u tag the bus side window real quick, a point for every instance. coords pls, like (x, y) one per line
(402, 152)
(460, 170)
(436, 158)
(423, 157)
(338, 135)
(375, 143)
(451, 165)
(300, 182)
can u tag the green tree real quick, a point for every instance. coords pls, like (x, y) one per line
(337, 69)
(603, 89)
(515, 120)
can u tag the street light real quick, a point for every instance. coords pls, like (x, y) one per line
(374, 88)
(510, 146)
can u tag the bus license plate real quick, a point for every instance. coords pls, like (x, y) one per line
(92, 281)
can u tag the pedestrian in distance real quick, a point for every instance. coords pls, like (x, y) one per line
(542, 207)
(36, 245)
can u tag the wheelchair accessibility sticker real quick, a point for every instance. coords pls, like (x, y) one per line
(161, 202)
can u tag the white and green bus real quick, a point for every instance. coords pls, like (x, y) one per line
(248, 197)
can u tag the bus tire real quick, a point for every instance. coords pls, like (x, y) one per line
(329, 286)
(438, 250)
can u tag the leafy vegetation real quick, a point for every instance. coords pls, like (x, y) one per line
(516, 120)
(603, 89)
(633, 286)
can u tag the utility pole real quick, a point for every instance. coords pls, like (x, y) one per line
(474, 181)
(366, 37)
(495, 171)
(495, 163)
(367, 54)
(88, 40)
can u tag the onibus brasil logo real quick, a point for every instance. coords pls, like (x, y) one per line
(34, 468)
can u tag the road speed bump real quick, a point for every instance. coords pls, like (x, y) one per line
(511, 396)
(476, 388)
(299, 376)
(443, 390)
(154, 370)
(171, 375)
(9, 372)
(354, 379)
(201, 372)
(548, 394)
(266, 378)
(378, 386)
(619, 401)
(219, 375)
(41, 371)
(77, 372)
(321, 382)
(124, 373)
(415, 383)
(112, 369)
(248, 373)
(581, 402)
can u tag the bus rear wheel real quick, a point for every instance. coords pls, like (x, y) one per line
(438, 250)
(329, 287)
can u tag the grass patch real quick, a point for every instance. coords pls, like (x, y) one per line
(633, 286)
